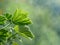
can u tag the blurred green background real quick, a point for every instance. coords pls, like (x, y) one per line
(45, 15)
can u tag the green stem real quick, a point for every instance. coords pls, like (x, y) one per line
(5, 26)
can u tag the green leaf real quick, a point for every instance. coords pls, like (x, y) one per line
(21, 17)
(24, 31)
(8, 16)
(15, 43)
(3, 34)
(2, 20)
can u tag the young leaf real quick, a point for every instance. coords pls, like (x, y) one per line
(8, 16)
(24, 31)
(20, 18)
(2, 20)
